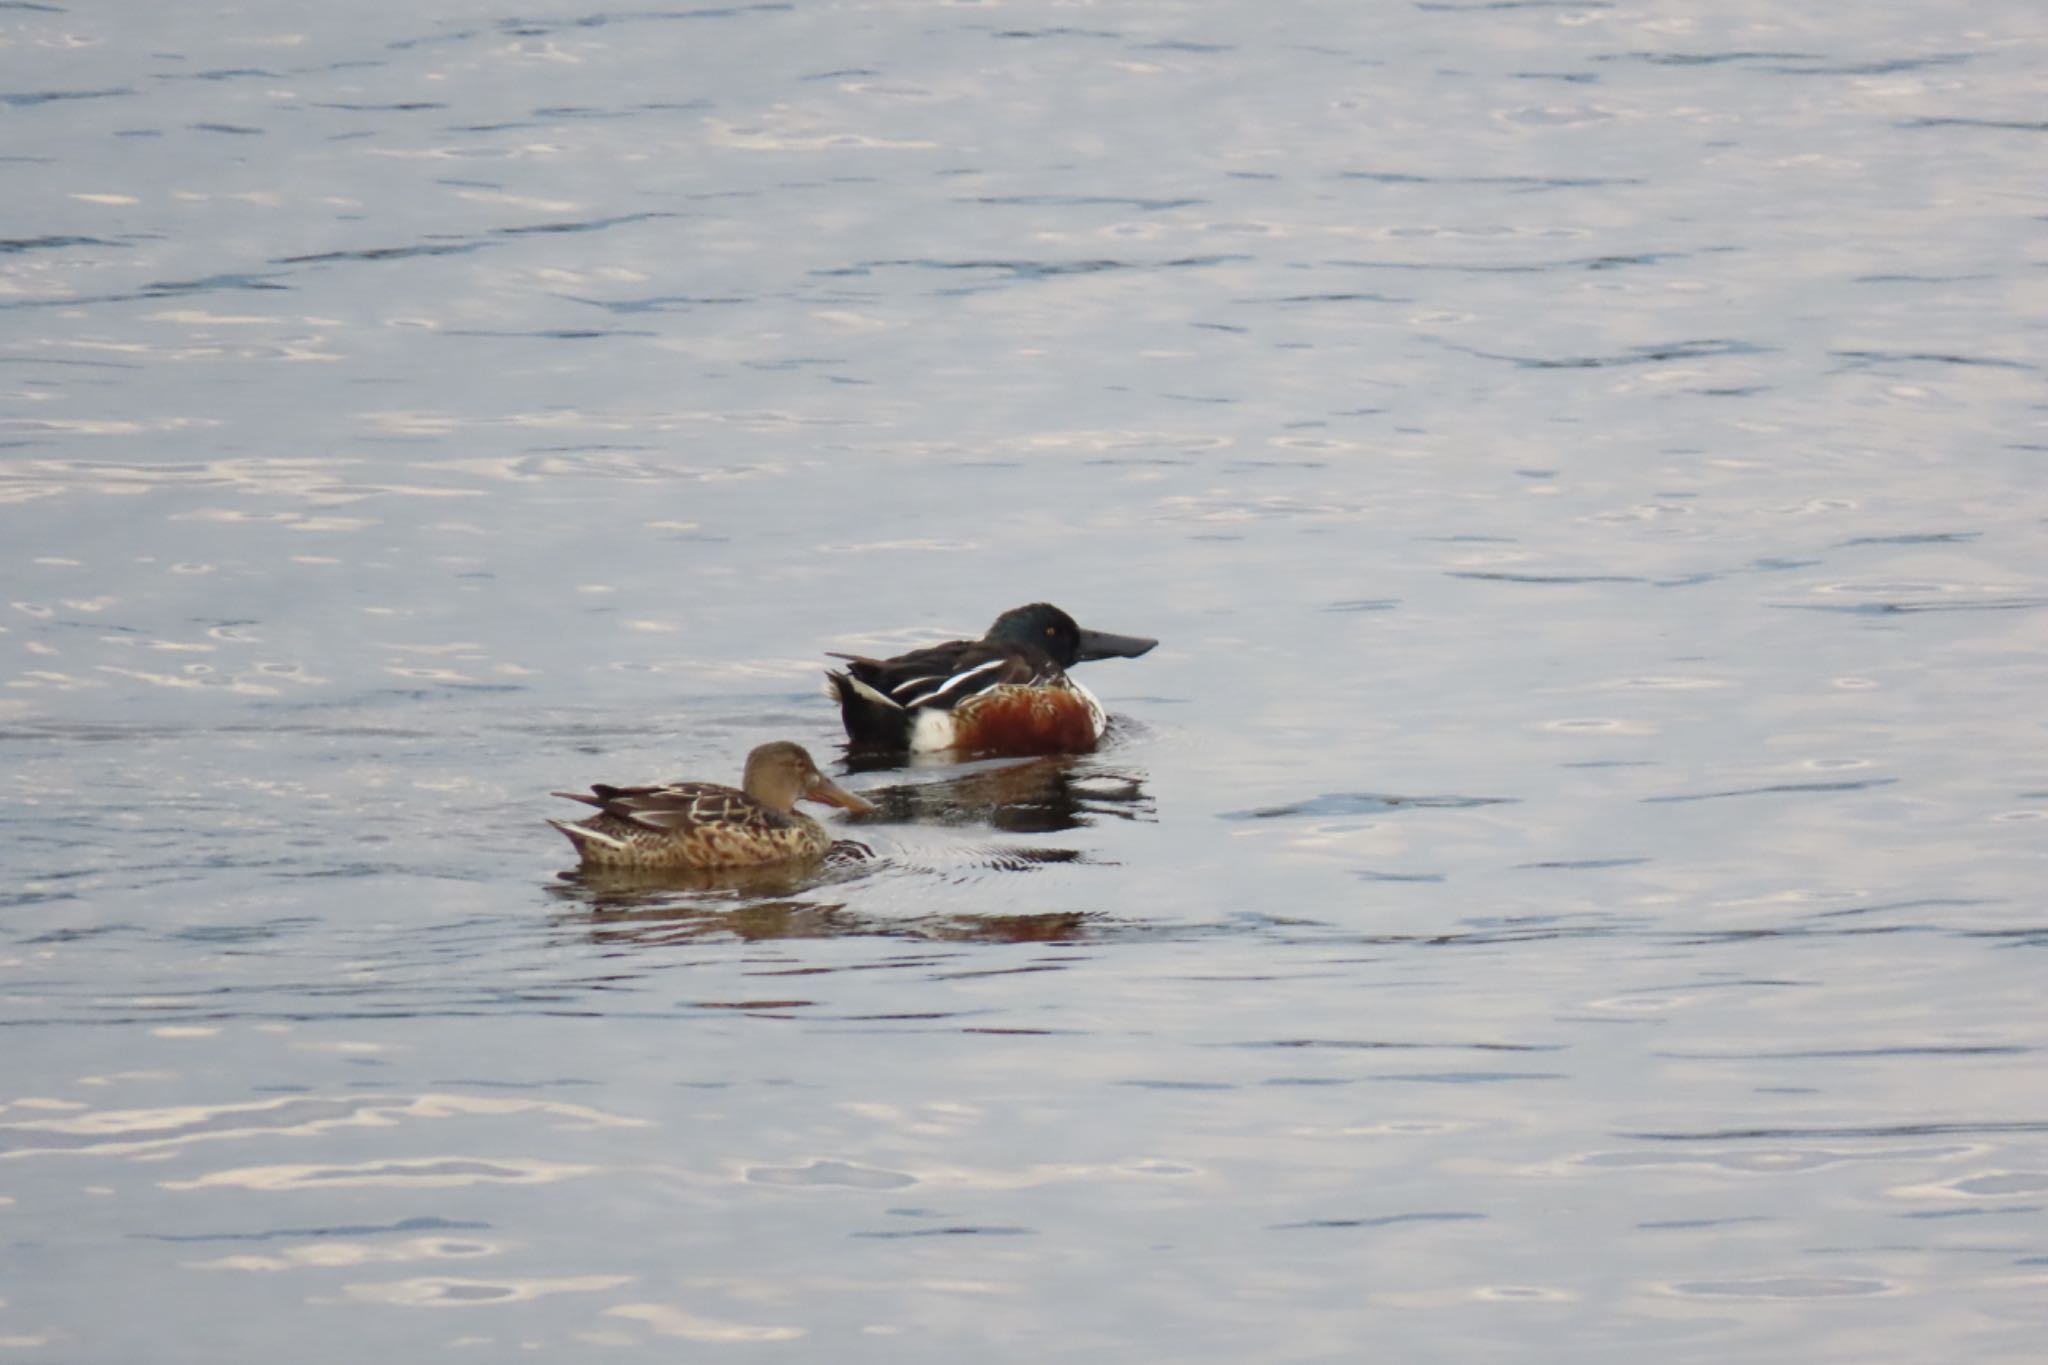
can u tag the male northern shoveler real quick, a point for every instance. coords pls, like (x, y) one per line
(1006, 693)
(702, 824)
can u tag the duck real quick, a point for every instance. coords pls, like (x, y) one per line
(679, 825)
(1006, 694)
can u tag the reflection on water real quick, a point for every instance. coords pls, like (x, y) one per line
(1571, 889)
(1035, 796)
(655, 919)
(608, 888)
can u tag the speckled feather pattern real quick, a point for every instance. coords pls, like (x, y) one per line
(689, 824)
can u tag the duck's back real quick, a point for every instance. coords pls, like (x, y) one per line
(687, 824)
(882, 700)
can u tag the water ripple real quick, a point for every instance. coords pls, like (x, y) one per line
(1364, 803)
(27, 99)
(1655, 353)
(1784, 1287)
(54, 242)
(1496, 576)
(423, 1223)
(2005, 125)
(1775, 789)
(1863, 358)
(1609, 261)
(1919, 607)
(956, 1230)
(1516, 182)
(1944, 1128)
(1387, 1220)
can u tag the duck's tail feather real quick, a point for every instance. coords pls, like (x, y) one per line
(588, 840)
(873, 718)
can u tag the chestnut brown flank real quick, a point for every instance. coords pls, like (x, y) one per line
(1025, 720)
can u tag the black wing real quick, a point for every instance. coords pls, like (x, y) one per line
(943, 676)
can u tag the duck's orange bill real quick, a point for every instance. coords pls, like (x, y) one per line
(830, 793)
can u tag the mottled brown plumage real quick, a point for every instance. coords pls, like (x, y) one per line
(704, 824)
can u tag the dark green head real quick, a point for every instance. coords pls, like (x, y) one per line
(1052, 630)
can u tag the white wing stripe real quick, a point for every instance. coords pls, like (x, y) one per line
(959, 678)
(909, 684)
(872, 693)
(949, 684)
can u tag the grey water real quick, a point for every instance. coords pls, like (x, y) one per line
(1567, 886)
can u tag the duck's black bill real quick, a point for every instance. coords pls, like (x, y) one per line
(1100, 644)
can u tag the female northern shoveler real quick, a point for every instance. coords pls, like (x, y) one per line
(1006, 693)
(701, 824)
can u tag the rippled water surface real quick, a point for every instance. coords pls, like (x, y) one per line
(1567, 886)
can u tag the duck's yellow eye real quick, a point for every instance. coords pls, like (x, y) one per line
(1048, 630)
